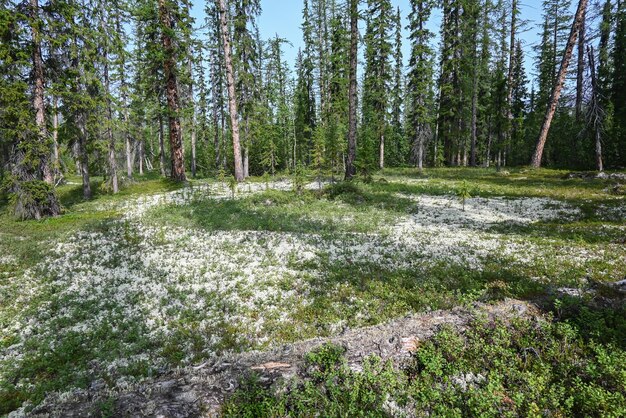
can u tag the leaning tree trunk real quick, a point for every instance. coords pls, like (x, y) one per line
(169, 67)
(354, 39)
(595, 112)
(558, 86)
(232, 98)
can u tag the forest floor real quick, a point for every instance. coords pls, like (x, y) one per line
(124, 289)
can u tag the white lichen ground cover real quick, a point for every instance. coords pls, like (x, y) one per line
(131, 297)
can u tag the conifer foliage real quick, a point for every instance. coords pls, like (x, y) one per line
(111, 90)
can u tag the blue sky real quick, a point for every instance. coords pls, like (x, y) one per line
(284, 17)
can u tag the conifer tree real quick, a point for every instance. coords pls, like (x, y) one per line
(167, 10)
(377, 81)
(352, 90)
(420, 78)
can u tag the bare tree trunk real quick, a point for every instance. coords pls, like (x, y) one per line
(39, 103)
(489, 142)
(595, 111)
(161, 147)
(109, 115)
(474, 138)
(246, 156)
(581, 69)
(83, 156)
(123, 91)
(193, 121)
(420, 153)
(232, 98)
(129, 151)
(354, 44)
(142, 154)
(169, 67)
(216, 125)
(56, 158)
(381, 155)
(558, 86)
(509, 92)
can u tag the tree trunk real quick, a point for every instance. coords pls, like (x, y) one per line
(142, 154)
(39, 103)
(193, 120)
(109, 123)
(246, 156)
(489, 141)
(352, 111)
(596, 111)
(232, 98)
(558, 86)
(129, 151)
(83, 156)
(420, 153)
(381, 155)
(161, 147)
(216, 123)
(581, 69)
(169, 67)
(474, 106)
(509, 92)
(56, 158)
(123, 92)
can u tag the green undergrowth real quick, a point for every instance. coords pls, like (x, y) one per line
(342, 294)
(525, 367)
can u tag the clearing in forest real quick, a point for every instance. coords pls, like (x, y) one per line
(124, 289)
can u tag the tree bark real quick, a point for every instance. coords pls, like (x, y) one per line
(83, 156)
(215, 90)
(558, 86)
(56, 159)
(129, 151)
(381, 156)
(161, 147)
(39, 103)
(109, 115)
(169, 67)
(596, 112)
(354, 40)
(474, 139)
(193, 120)
(420, 153)
(232, 98)
(509, 92)
(123, 91)
(580, 70)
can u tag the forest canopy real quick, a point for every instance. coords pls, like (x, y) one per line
(114, 88)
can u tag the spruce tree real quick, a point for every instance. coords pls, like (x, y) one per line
(420, 79)
(377, 82)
